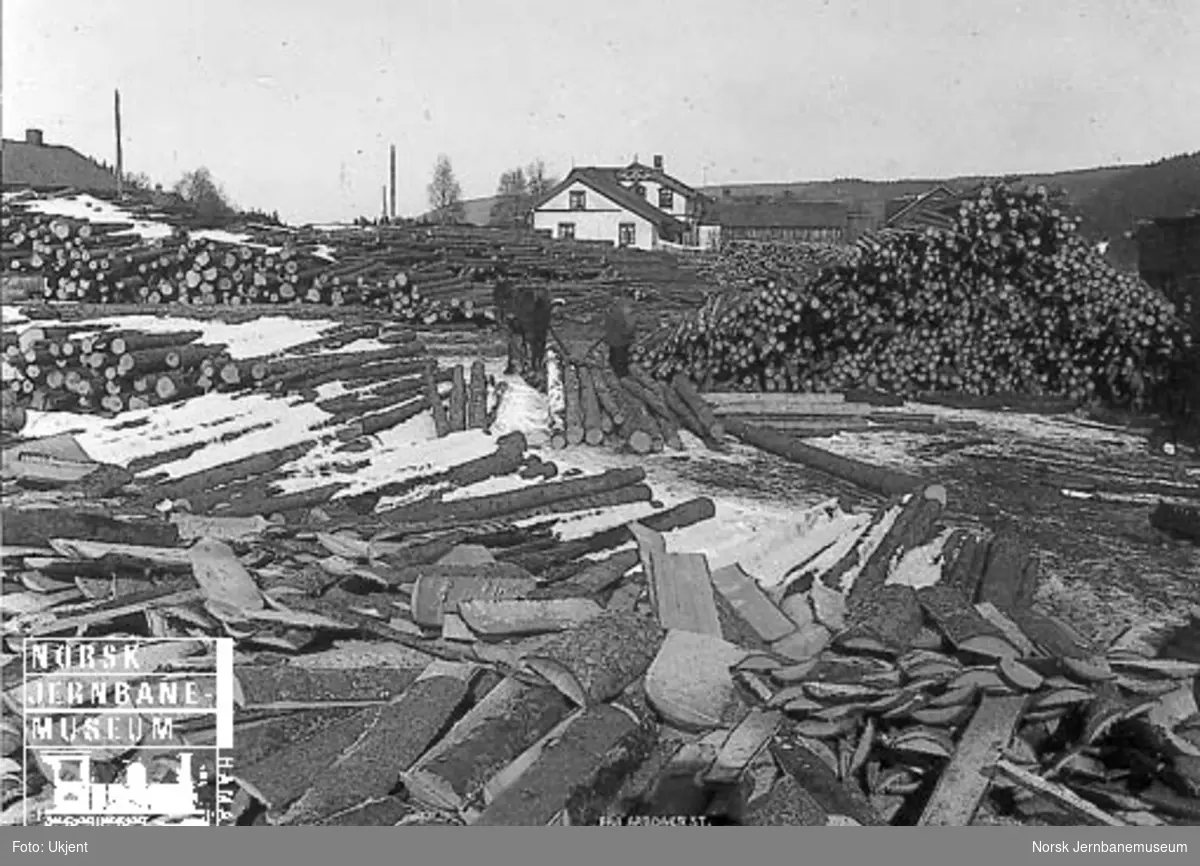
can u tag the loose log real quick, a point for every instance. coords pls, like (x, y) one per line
(207, 479)
(593, 429)
(962, 624)
(606, 398)
(576, 776)
(699, 406)
(1010, 578)
(372, 425)
(873, 478)
(507, 721)
(913, 527)
(458, 401)
(685, 514)
(596, 660)
(398, 734)
(573, 413)
(35, 528)
(477, 397)
(600, 576)
(440, 420)
(499, 504)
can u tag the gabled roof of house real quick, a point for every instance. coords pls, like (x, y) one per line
(604, 181)
(932, 207)
(638, 171)
(785, 214)
(51, 166)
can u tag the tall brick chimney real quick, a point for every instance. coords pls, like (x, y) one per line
(34, 137)
(658, 161)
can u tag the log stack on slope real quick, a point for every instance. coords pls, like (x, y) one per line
(634, 413)
(1009, 300)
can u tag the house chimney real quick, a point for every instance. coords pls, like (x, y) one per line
(34, 137)
(658, 162)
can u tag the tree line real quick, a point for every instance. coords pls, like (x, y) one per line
(516, 191)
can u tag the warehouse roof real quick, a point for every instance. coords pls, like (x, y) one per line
(605, 182)
(51, 166)
(777, 214)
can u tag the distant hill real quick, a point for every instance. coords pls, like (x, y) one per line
(1109, 200)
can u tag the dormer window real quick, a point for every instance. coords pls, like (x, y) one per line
(666, 198)
(578, 199)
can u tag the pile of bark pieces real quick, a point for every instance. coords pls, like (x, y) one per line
(590, 404)
(438, 663)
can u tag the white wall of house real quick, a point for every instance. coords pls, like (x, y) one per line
(599, 221)
(709, 237)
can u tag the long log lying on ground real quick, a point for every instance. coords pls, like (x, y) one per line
(499, 504)
(699, 406)
(370, 425)
(877, 479)
(685, 514)
(226, 473)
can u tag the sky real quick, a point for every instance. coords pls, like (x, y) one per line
(293, 104)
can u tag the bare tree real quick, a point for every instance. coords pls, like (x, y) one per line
(445, 194)
(199, 189)
(138, 181)
(537, 180)
(512, 199)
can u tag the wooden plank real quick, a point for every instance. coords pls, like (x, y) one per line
(496, 618)
(751, 603)
(1060, 795)
(962, 624)
(964, 781)
(681, 586)
(1012, 632)
(742, 746)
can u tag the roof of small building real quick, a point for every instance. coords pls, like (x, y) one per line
(776, 214)
(51, 166)
(605, 182)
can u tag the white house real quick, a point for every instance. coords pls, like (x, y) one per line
(635, 206)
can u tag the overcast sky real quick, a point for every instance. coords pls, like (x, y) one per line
(292, 103)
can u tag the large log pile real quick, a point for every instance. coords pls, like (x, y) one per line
(417, 274)
(1011, 300)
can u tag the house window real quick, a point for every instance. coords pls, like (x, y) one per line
(578, 199)
(626, 234)
(666, 198)
(639, 189)
(566, 231)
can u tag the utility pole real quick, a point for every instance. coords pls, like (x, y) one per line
(393, 181)
(120, 167)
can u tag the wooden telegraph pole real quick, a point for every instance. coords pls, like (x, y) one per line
(120, 166)
(393, 181)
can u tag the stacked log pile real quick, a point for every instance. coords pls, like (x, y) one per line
(636, 414)
(862, 668)
(425, 275)
(1011, 300)
(109, 370)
